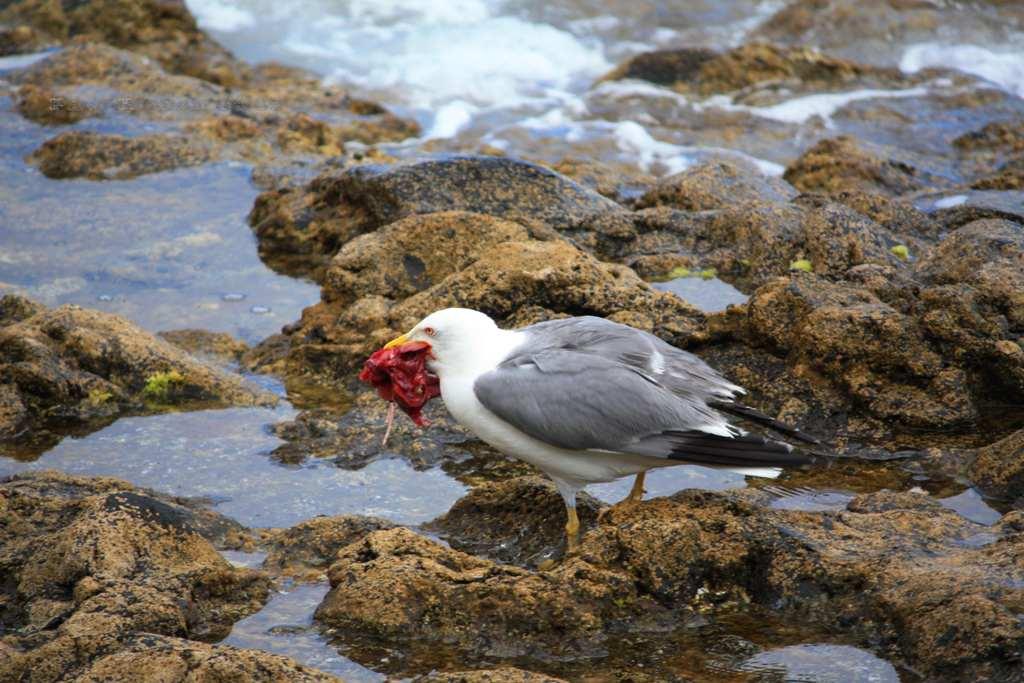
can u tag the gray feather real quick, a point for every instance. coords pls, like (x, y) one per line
(591, 384)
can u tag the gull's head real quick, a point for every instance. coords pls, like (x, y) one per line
(460, 340)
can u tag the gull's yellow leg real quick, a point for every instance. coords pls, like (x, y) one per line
(636, 494)
(572, 531)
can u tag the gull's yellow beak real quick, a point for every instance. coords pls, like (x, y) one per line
(397, 341)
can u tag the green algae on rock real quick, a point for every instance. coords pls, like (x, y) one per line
(55, 363)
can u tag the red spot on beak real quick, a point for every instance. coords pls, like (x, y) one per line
(399, 373)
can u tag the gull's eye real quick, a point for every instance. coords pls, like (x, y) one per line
(430, 331)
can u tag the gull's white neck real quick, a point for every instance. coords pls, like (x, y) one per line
(471, 357)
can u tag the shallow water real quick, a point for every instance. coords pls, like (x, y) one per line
(708, 294)
(163, 250)
(223, 455)
(285, 626)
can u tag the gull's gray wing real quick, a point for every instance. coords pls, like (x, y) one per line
(577, 400)
(681, 372)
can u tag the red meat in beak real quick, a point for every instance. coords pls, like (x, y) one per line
(399, 373)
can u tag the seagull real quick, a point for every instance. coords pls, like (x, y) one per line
(588, 400)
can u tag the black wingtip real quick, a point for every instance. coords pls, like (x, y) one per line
(755, 415)
(746, 450)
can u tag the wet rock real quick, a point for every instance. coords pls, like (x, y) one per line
(664, 67)
(999, 467)
(975, 306)
(71, 365)
(175, 660)
(843, 164)
(160, 29)
(879, 356)
(502, 675)
(308, 548)
(397, 586)
(204, 343)
(20, 39)
(879, 33)
(517, 283)
(412, 254)
(1009, 176)
(716, 185)
(46, 107)
(520, 521)
(857, 570)
(705, 73)
(898, 216)
(618, 182)
(103, 157)
(90, 562)
(334, 208)
(353, 439)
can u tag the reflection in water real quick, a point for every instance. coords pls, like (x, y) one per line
(823, 664)
(222, 455)
(709, 295)
(163, 250)
(285, 626)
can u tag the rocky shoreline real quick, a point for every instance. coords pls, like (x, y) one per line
(885, 317)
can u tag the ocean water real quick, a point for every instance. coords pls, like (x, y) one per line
(522, 75)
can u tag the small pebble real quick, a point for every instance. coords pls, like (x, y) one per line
(104, 297)
(259, 310)
(233, 296)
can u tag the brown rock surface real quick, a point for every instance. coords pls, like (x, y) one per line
(309, 547)
(161, 29)
(895, 571)
(206, 344)
(311, 225)
(519, 521)
(715, 185)
(998, 468)
(105, 157)
(90, 562)
(73, 365)
(149, 657)
(844, 164)
(46, 107)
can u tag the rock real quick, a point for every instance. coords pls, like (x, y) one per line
(70, 365)
(975, 306)
(502, 675)
(46, 107)
(715, 185)
(337, 207)
(89, 563)
(619, 182)
(413, 254)
(520, 521)
(898, 216)
(705, 73)
(856, 572)
(20, 39)
(843, 164)
(395, 586)
(1009, 176)
(664, 67)
(103, 157)
(204, 343)
(999, 467)
(880, 33)
(309, 547)
(161, 29)
(149, 657)
(878, 355)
